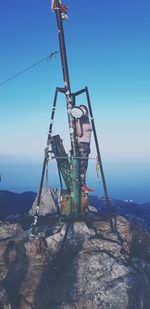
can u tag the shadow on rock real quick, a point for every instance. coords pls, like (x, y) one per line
(135, 247)
(17, 264)
(59, 282)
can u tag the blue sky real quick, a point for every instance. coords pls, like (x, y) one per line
(108, 47)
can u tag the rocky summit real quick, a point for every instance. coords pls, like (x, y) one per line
(80, 265)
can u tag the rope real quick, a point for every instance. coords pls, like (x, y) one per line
(48, 58)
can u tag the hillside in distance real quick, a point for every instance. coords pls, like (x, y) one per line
(15, 203)
(12, 204)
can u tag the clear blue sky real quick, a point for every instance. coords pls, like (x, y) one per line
(108, 47)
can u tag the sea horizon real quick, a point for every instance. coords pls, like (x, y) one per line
(125, 181)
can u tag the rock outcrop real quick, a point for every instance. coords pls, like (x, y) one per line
(49, 202)
(79, 265)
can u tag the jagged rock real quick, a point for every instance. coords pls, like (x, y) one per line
(55, 241)
(35, 247)
(95, 268)
(4, 304)
(93, 271)
(22, 261)
(49, 202)
(8, 230)
(10, 236)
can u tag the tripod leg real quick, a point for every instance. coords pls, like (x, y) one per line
(99, 159)
(46, 157)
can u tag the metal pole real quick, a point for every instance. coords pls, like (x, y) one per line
(75, 170)
(99, 159)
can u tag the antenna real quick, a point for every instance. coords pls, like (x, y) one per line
(69, 167)
(75, 187)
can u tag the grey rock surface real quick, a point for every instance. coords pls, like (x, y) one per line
(4, 299)
(8, 230)
(88, 267)
(48, 203)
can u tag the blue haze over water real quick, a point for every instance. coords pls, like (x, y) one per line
(124, 180)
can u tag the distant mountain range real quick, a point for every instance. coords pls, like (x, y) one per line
(15, 203)
(139, 213)
(12, 204)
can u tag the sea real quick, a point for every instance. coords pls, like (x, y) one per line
(124, 180)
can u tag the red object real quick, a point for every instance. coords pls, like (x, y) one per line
(63, 8)
(86, 189)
